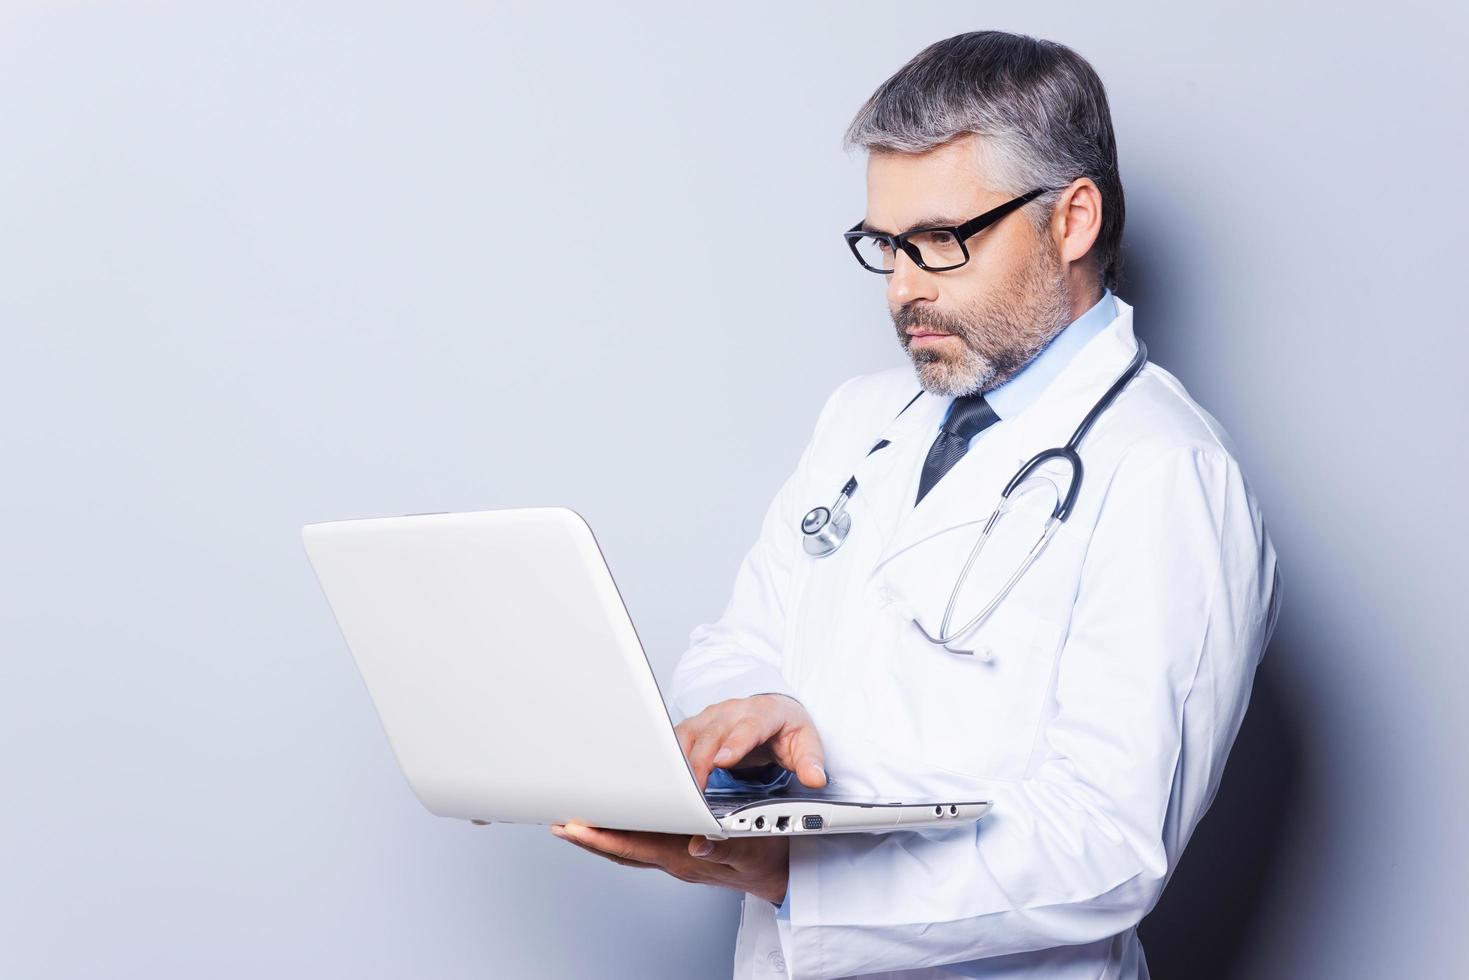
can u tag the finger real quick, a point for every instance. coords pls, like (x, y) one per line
(747, 733)
(805, 756)
(625, 862)
(701, 755)
(686, 731)
(652, 849)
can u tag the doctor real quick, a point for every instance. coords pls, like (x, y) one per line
(1097, 703)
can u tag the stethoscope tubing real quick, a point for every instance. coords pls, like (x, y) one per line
(825, 529)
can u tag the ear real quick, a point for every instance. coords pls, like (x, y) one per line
(1076, 220)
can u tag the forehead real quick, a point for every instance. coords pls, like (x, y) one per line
(943, 185)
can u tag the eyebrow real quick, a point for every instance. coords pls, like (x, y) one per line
(932, 221)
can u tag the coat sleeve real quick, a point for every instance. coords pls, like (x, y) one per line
(739, 654)
(1175, 605)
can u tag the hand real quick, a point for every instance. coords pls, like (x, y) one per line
(758, 865)
(753, 731)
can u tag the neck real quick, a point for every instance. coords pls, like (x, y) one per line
(1084, 288)
(1081, 303)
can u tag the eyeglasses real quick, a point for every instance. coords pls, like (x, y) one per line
(934, 249)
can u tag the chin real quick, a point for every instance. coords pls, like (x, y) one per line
(941, 376)
(936, 378)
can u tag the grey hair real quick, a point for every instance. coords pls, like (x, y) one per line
(1040, 112)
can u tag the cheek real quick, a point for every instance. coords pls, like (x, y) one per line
(968, 301)
(1004, 259)
(991, 265)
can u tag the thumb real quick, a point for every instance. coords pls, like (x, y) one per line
(710, 850)
(806, 757)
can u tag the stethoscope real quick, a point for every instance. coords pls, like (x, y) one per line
(823, 529)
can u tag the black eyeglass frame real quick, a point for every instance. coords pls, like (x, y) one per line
(961, 233)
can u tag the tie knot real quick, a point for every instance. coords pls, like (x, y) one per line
(969, 415)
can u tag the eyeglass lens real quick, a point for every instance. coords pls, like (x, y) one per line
(938, 249)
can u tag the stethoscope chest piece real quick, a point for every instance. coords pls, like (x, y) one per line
(824, 529)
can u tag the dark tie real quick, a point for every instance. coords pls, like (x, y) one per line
(970, 414)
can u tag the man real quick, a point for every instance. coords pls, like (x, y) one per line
(1097, 704)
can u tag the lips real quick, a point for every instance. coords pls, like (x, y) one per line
(925, 337)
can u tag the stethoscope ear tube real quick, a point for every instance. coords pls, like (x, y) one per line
(944, 637)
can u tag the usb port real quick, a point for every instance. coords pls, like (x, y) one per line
(811, 821)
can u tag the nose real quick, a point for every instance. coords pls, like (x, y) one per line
(908, 282)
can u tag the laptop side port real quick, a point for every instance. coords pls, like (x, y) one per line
(811, 821)
(782, 824)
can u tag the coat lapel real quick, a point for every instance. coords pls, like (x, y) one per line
(882, 476)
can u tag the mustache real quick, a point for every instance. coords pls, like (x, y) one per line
(909, 317)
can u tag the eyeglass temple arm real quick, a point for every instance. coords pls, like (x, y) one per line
(976, 225)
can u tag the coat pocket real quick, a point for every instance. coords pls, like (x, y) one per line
(975, 715)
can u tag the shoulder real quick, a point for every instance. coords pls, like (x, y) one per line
(858, 409)
(1156, 417)
(1157, 436)
(865, 400)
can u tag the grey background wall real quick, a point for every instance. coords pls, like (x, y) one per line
(271, 263)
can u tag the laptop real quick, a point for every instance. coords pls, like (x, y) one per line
(513, 688)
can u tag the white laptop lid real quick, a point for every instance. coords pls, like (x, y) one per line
(506, 670)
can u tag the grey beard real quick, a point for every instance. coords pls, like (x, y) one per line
(997, 342)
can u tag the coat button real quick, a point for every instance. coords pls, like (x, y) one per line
(777, 961)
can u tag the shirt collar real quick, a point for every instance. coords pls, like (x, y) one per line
(1011, 398)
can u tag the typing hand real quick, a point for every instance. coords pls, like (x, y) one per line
(739, 732)
(752, 731)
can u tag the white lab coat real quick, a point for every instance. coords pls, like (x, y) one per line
(1116, 678)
